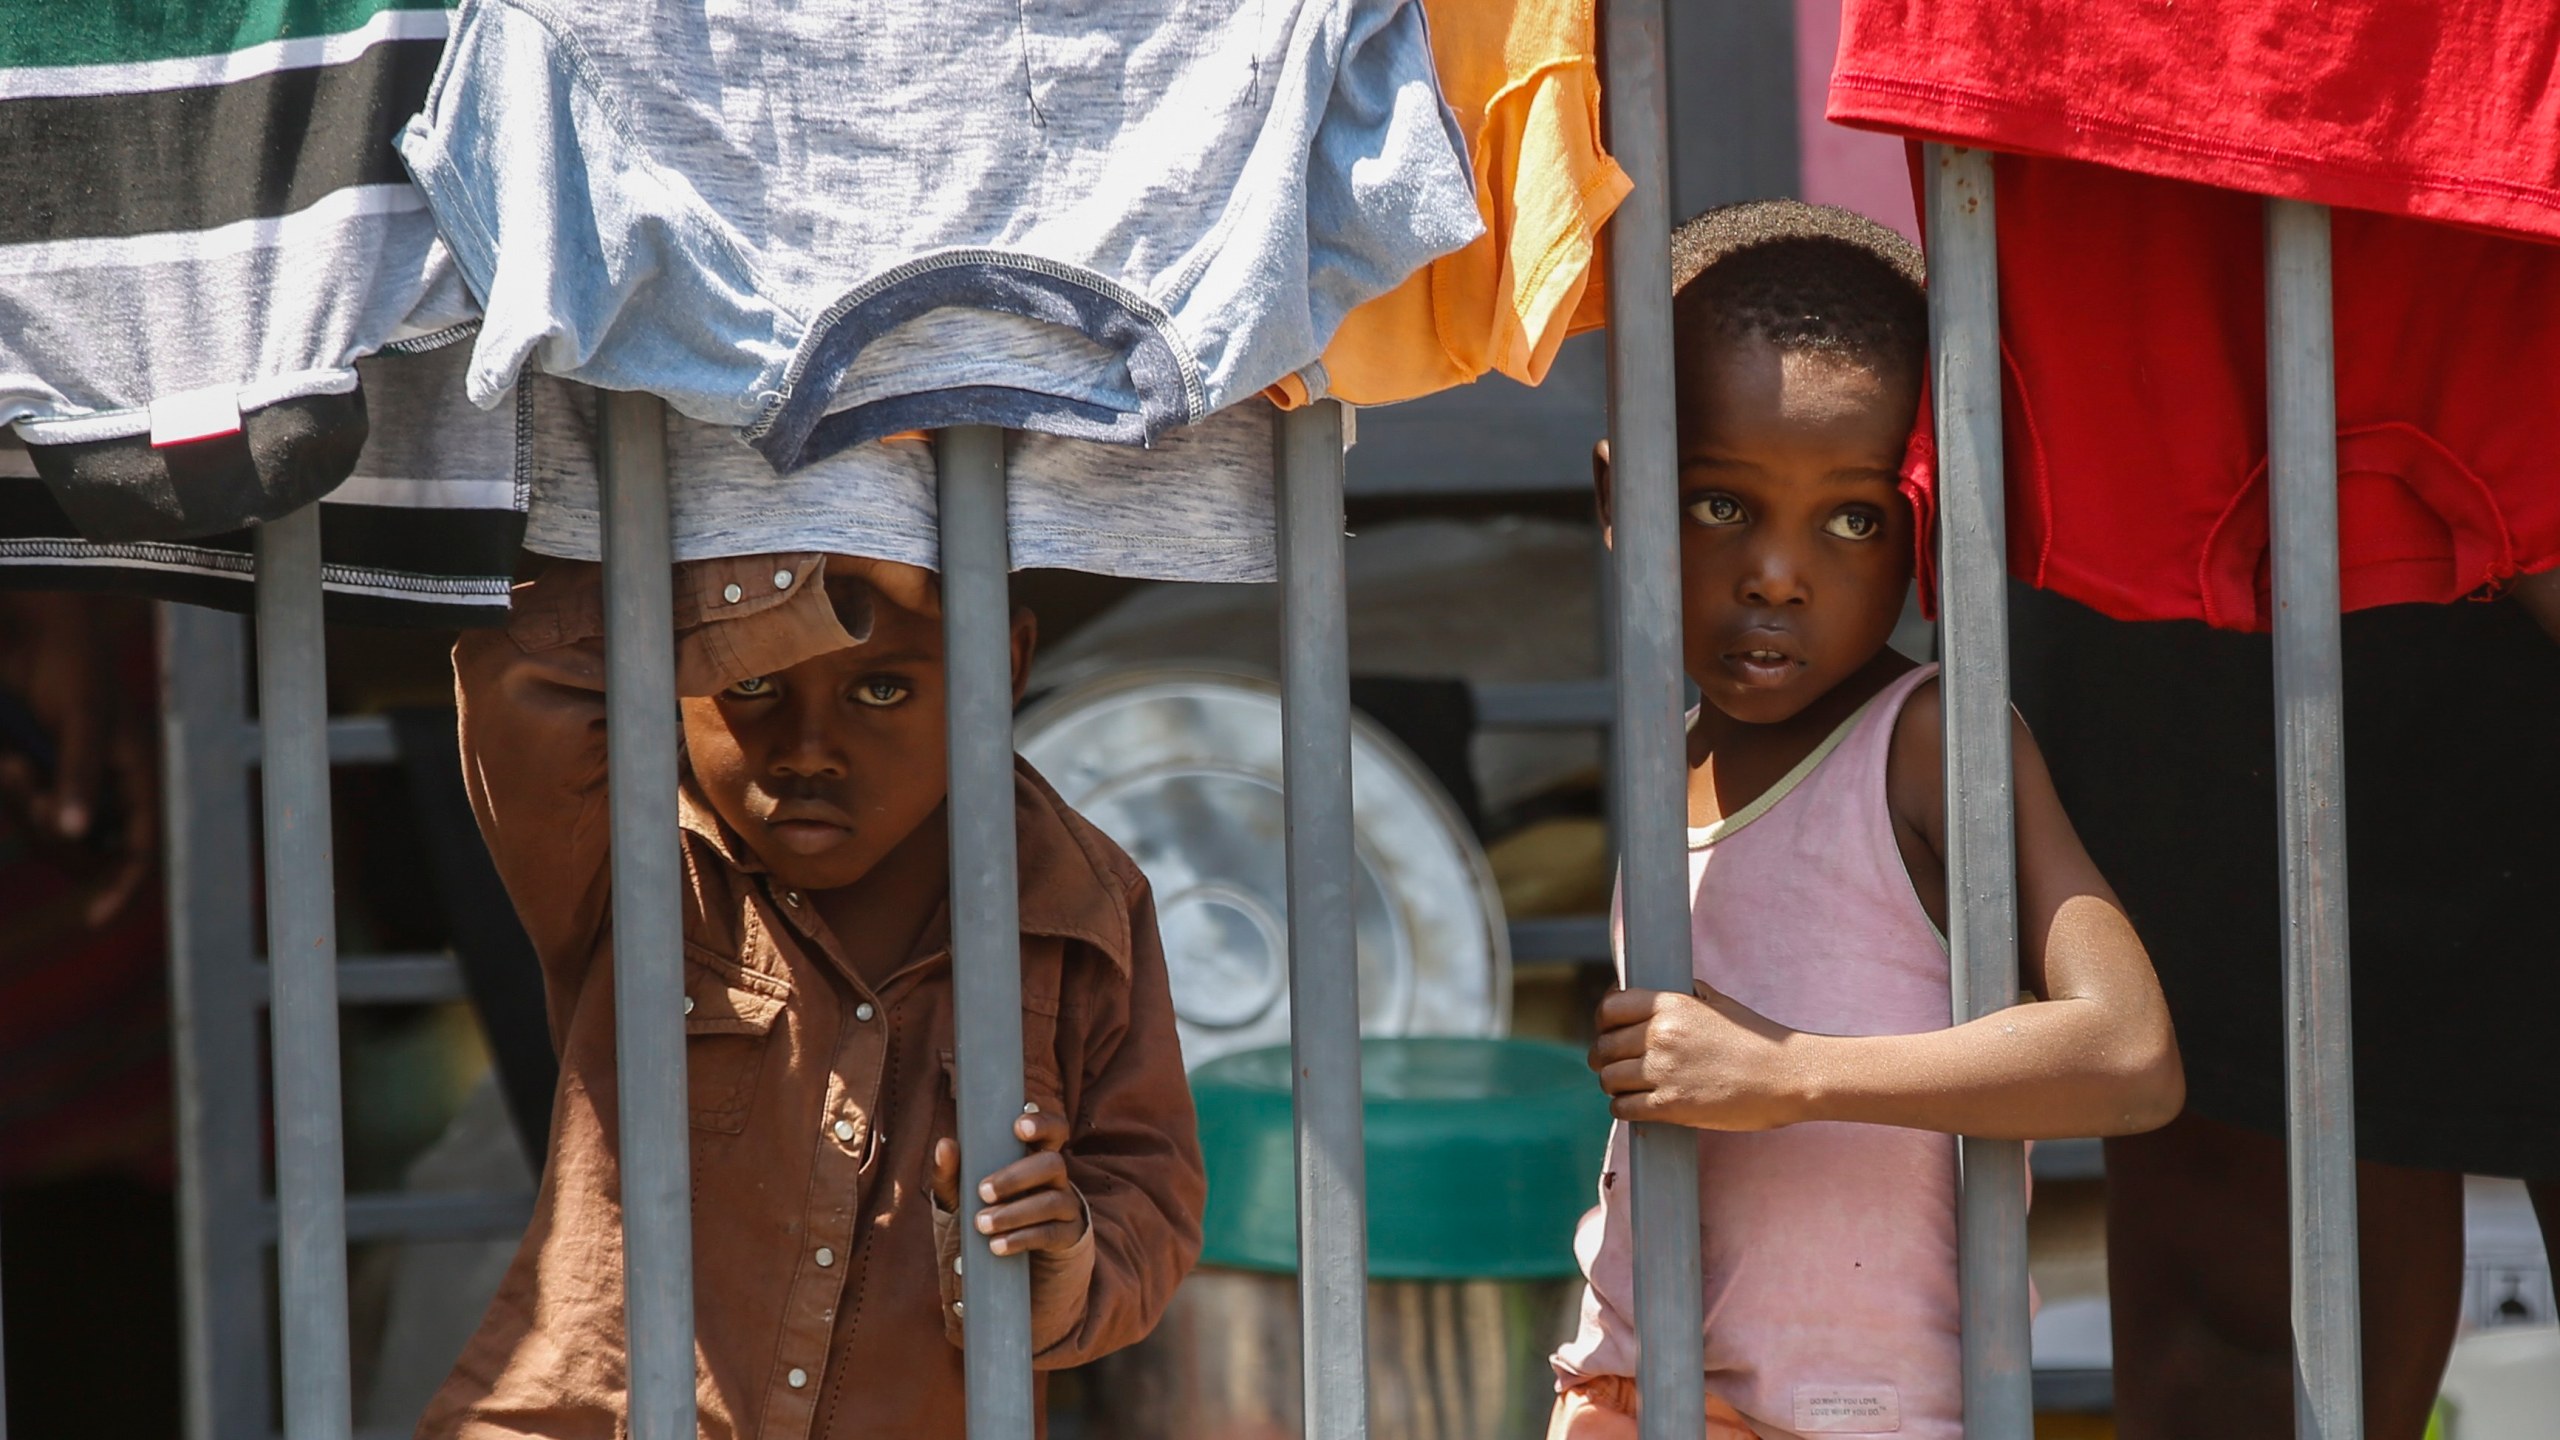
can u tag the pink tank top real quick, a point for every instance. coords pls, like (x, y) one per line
(1829, 1249)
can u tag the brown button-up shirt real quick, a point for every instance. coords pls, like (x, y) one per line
(824, 1298)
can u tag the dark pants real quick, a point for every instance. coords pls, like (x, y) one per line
(2199, 1281)
(89, 1302)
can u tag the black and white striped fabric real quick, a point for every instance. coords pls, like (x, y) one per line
(205, 225)
(424, 532)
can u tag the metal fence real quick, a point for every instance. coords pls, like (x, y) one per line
(295, 732)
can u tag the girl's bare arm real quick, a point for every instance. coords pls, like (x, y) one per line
(2091, 1054)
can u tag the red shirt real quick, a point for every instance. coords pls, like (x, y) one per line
(2132, 306)
(2429, 108)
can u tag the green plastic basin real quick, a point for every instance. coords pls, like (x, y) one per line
(1482, 1155)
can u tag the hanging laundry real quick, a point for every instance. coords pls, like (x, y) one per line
(205, 226)
(1524, 79)
(832, 222)
(1195, 506)
(425, 532)
(2133, 316)
(2409, 107)
(2133, 336)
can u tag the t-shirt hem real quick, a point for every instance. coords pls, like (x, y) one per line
(1931, 110)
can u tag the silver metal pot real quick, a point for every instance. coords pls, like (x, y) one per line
(1180, 765)
(1448, 1360)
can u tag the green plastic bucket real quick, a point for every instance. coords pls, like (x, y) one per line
(1481, 1156)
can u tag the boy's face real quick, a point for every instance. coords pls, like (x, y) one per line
(1795, 544)
(825, 768)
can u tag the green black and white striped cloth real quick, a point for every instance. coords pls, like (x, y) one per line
(203, 224)
(425, 532)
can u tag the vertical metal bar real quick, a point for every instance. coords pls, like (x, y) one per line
(648, 957)
(986, 928)
(217, 993)
(2302, 461)
(1650, 783)
(302, 953)
(1324, 963)
(1982, 845)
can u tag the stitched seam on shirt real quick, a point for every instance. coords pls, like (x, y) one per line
(524, 441)
(1213, 241)
(1582, 235)
(858, 1246)
(2189, 144)
(1726, 827)
(588, 77)
(433, 339)
(220, 563)
(1138, 305)
(1149, 537)
(782, 1322)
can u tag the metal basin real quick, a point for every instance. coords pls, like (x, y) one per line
(1183, 768)
(1464, 1360)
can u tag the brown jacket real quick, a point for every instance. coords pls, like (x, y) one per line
(821, 1309)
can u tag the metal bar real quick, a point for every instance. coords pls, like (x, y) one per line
(400, 980)
(390, 980)
(2302, 490)
(986, 928)
(302, 953)
(362, 740)
(648, 957)
(216, 988)
(1560, 937)
(1543, 705)
(2082, 1159)
(428, 1215)
(1324, 963)
(1650, 774)
(353, 740)
(1982, 844)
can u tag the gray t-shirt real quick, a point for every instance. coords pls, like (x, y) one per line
(838, 220)
(1194, 506)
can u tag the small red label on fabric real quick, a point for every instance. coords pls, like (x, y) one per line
(195, 415)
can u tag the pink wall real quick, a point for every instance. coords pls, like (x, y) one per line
(1859, 169)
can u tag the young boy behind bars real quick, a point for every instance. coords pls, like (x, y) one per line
(1813, 1051)
(818, 1021)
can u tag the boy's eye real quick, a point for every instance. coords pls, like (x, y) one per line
(1853, 525)
(880, 692)
(1716, 510)
(752, 688)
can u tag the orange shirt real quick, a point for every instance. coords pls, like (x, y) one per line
(1524, 79)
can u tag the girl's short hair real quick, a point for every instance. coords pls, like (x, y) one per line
(1803, 277)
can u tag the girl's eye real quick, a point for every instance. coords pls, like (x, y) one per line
(1716, 510)
(881, 693)
(751, 688)
(1853, 525)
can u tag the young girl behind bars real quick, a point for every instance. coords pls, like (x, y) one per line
(1813, 1053)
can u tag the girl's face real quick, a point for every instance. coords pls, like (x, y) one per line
(1795, 544)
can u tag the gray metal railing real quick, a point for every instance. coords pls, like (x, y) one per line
(1651, 767)
(1324, 969)
(302, 954)
(1973, 640)
(312, 1210)
(220, 992)
(986, 933)
(648, 915)
(2320, 1124)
